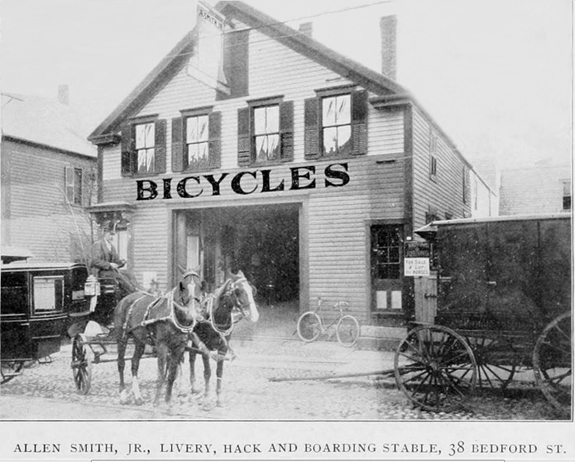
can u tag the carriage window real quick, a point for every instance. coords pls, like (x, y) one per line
(48, 293)
(14, 293)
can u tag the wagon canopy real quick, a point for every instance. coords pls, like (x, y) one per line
(515, 268)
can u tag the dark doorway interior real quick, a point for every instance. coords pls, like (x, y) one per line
(262, 241)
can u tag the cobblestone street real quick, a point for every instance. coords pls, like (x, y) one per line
(48, 391)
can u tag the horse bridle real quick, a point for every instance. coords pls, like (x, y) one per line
(236, 305)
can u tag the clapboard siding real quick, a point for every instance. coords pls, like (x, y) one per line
(337, 219)
(445, 193)
(39, 218)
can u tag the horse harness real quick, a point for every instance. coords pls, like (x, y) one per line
(171, 317)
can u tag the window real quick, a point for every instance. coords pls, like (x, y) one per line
(143, 146)
(73, 185)
(432, 214)
(265, 132)
(336, 124)
(433, 156)
(387, 250)
(196, 140)
(48, 293)
(145, 152)
(464, 182)
(567, 195)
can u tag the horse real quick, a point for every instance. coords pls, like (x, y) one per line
(233, 301)
(164, 322)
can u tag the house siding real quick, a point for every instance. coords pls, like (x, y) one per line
(445, 193)
(36, 216)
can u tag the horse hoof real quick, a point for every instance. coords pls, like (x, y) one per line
(139, 401)
(219, 403)
(124, 398)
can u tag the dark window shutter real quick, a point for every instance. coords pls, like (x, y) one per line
(312, 128)
(286, 129)
(177, 144)
(244, 137)
(359, 122)
(127, 145)
(215, 143)
(160, 146)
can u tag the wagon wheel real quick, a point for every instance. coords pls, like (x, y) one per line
(11, 369)
(552, 362)
(435, 368)
(496, 360)
(81, 364)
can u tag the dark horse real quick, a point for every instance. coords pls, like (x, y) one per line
(233, 301)
(165, 322)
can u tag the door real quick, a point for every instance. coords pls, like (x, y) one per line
(386, 268)
(425, 290)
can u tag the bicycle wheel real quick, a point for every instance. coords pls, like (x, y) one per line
(347, 330)
(309, 326)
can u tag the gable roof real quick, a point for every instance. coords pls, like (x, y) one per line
(255, 19)
(43, 122)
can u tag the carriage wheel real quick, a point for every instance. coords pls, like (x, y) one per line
(309, 326)
(496, 361)
(552, 362)
(435, 368)
(347, 330)
(11, 369)
(81, 364)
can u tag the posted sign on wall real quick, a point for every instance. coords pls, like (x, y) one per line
(416, 261)
(416, 267)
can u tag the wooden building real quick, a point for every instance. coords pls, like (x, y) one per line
(295, 164)
(48, 175)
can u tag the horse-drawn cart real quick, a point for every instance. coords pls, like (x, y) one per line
(38, 302)
(503, 307)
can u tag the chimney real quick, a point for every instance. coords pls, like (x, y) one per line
(388, 28)
(64, 94)
(306, 28)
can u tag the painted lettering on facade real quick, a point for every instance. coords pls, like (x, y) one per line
(243, 183)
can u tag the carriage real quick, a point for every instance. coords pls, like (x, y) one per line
(497, 306)
(39, 301)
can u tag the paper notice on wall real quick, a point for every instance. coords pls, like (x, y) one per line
(416, 267)
(206, 64)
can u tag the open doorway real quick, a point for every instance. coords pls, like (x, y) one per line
(262, 241)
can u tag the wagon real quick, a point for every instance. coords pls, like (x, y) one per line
(39, 301)
(501, 312)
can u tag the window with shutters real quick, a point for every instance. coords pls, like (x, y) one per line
(336, 123)
(145, 151)
(143, 146)
(265, 132)
(196, 140)
(73, 179)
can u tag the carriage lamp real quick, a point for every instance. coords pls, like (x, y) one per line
(91, 286)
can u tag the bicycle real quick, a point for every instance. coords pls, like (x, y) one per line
(310, 325)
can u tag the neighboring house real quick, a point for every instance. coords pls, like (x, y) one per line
(48, 172)
(543, 188)
(301, 167)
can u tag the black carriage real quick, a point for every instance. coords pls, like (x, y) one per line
(39, 301)
(503, 308)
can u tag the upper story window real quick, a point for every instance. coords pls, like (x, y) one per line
(196, 140)
(567, 195)
(143, 146)
(73, 179)
(336, 123)
(433, 156)
(265, 132)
